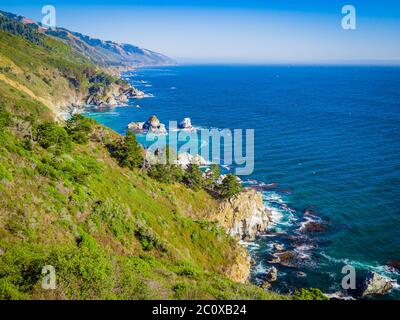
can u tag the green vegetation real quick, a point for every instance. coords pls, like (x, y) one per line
(5, 117)
(230, 186)
(127, 151)
(79, 128)
(51, 135)
(309, 294)
(25, 31)
(109, 231)
(75, 196)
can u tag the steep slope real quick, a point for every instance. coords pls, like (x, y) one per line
(108, 54)
(53, 73)
(109, 231)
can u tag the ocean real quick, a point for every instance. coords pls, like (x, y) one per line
(327, 139)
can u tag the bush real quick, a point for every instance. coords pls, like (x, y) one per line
(128, 152)
(309, 294)
(51, 135)
(193, 177)
(166, 173)
(148, 239)
(230, 186)
(79, 128)
(5, 117)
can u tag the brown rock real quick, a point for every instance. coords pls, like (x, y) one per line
(244, 215)
(312, 227)
(394, 265)
(286, 258)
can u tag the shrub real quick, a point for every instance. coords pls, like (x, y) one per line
(166, 173)
(193, 177)
(79, 128)
(147, 238)
(128, 152)
(51, 135)
(230, 186)
(309, 294)
(5, 117)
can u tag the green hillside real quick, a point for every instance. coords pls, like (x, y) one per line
(110, 230)
(74, 195)
(47, 70)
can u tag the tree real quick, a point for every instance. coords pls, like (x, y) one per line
(230, 186)
(167, 173)
(215, 171)
(128, 151)
(193, 177)
(212, 176)
(51, 135)
(79, 128)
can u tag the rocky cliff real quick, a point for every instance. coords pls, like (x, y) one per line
(244, 215)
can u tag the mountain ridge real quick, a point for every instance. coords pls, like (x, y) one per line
(105, 53)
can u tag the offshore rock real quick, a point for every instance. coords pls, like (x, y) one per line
(152, 125)
(376, 284)
(186, 124)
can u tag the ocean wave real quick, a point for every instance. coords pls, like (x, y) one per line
(378, 268)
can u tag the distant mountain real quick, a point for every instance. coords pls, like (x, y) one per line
(107, 54)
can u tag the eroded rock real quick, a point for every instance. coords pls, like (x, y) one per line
(376, 284)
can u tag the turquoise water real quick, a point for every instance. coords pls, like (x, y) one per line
(328, 136)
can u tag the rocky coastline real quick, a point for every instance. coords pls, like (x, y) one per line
(245, 216)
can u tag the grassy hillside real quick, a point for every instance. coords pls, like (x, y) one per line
(47, 70)
(109, 231)
(66, 199)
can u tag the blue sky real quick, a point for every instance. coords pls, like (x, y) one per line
(252, 31)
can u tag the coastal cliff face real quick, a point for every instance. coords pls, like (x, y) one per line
(244, 215)
(239, 271)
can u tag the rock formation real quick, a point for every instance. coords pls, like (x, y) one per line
(376, 284)
(115, 95)
(152, 125)
(244, 215)
(184, 159)
(240, 269)
(186, 124)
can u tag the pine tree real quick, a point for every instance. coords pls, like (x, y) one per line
(230, 186)
(193, 177)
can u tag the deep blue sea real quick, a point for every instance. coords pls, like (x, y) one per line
(328, 136)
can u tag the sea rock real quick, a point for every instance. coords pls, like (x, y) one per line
(278, 247)
(186, 124)
(394, 265)
(136, 127)
(285, 258)
(272, 275)
(266, 285)
(243, 215)
(152, 125)
(184, 159)
(313, 227)
(376, 284)
(301, 274)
